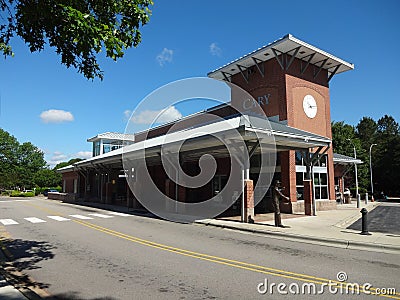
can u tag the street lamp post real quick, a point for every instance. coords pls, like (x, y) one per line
(355, 171)
(370, 170)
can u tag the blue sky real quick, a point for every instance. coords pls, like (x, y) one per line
(188, 39)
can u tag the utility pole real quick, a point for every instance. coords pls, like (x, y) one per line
(370, 170)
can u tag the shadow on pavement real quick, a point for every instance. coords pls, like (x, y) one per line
(383, 219)
(26, 256)
(75, 296)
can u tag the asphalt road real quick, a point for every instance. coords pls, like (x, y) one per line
(384, 218)
(92, 254)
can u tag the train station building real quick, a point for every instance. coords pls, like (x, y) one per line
(289, 79)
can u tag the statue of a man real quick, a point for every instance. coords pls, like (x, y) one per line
(276, 196)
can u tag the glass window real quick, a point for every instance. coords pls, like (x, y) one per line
(316, 179)
(299, 185)
(96, 148)
(106, 148)
(317, 192)
(219, 182)
(324, 178)
(324, 192)
(321, 185)
(322, 161)
(299, 178)
(299, 159)
(300, 192)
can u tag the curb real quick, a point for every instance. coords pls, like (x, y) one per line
(10, 273)
(347, 244)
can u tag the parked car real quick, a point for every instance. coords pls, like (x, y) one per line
(47, 191)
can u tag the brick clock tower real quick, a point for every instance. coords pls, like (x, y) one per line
(290, 80)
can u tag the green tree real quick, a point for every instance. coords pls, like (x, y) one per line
(66, 163)
(8, 159)
(78, 30)
(387, 126)
(344, 136)
(18, 162)
(30, 160)
(47, 178)
(342, 133)
(367, 130)
(386, 157)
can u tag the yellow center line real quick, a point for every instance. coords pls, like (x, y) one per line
(219, 260)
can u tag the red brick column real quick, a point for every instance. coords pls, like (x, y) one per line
(331, 176)
(307, 197)
(288, 178)
(248, 200)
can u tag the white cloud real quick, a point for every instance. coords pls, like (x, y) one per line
(58, 157)
(165, 56)
(83, 154)
(215, 50)
(157, 116)
(127, 114)
(56, 116)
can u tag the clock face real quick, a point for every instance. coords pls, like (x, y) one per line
(310, 106)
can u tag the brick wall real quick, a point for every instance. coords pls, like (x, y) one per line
(286, 90)
(69, 177)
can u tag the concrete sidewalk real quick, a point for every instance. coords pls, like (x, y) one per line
(327, 228)
(7, 290)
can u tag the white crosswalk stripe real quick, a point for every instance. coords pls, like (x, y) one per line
(118, 214)
(101, 216)
(6, 222)
(81, 217)
(13, 201)
(91, 216)
(35, 220)
(58, 218)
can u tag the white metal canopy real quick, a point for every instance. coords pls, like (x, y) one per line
(295, 47)
(200, 138)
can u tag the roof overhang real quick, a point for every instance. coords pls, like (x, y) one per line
(112, 136)
(341, 159)
(290, 45)
(198, 139)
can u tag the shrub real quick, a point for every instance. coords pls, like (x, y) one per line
(22, 194)
(6, 193)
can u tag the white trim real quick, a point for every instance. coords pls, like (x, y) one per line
(247, 60)
(300, 138)
(316, 169)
